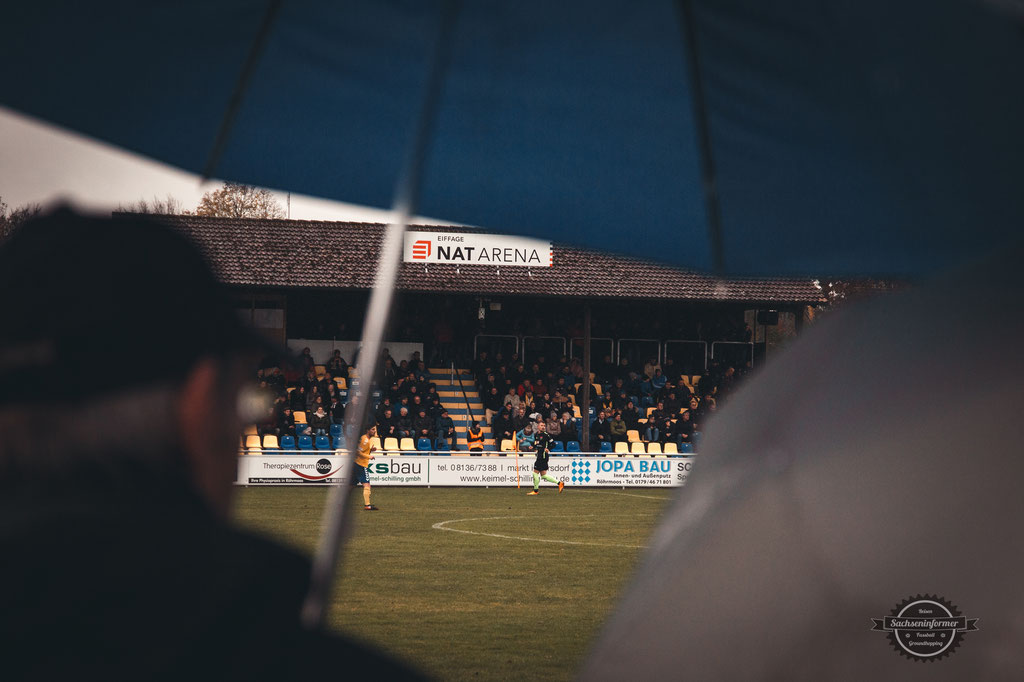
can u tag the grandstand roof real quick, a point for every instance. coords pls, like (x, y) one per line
(342, 255)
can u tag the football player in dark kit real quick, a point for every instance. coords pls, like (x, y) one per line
(542, 444)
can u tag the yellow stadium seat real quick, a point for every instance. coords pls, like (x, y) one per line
(270, 442)
(353, 373)
(621, 447)
(508, 445)
(300, 417)
(321, 371)
(250, 430)
(671, 449)
(632, 435)
(649, 410)
(390, 443)
(252, 442)
(654, 448)
(576, 387)
(597, 389)
(637, 448)
(342, 384)
(576, 412)
(375, 442)
(407, 444)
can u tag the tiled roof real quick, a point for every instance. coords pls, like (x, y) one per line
(339, 255)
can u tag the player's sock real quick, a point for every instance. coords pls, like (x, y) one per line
(536, 480)
(366, 496)
(549, 478)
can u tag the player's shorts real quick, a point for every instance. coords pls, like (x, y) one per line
(359, 475)
(540, 465)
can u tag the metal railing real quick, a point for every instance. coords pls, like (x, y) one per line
(478, 337)
(528, 361)
(657, 350)
(593, 342)
(692, 347)
(734, 345)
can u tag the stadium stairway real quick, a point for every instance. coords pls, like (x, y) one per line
(453, 401)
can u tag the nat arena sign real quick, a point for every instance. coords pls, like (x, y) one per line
(464, 248)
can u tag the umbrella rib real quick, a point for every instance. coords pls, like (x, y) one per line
(235, 103)
(700, 110)
(378, 310)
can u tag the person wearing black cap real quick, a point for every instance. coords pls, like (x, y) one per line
(116, 472)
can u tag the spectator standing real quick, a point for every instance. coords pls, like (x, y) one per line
(684, 428)
(336, 366)
(336, 410)
(475, 439)
(387, 425)
(600, 432)
(286, 422)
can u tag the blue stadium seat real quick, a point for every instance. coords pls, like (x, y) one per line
(424, 444)
(323, 443)
(339, 443)
(557, 446)
(685, 448)
(606, 447)
(305, 443)
(302, 429)
(335, 430)
(572, 446)
(287, 442)
(441, 444)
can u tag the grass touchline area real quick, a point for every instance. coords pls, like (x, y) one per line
(517, 591)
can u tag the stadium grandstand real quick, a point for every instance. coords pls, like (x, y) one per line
(500, 345)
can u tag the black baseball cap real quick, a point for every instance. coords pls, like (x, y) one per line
(93, 305)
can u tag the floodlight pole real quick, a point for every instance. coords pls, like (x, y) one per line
(407, 190)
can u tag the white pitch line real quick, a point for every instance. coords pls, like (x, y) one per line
(442, 525)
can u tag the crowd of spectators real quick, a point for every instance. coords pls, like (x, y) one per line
(659, 402)
(517, 395)
(409, 405)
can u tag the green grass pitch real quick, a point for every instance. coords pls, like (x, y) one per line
(487, 599)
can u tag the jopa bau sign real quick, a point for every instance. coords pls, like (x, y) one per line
(463, 248)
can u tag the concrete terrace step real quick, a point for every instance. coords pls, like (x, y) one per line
(446, 385)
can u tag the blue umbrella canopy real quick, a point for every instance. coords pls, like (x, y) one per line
(844, 137)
